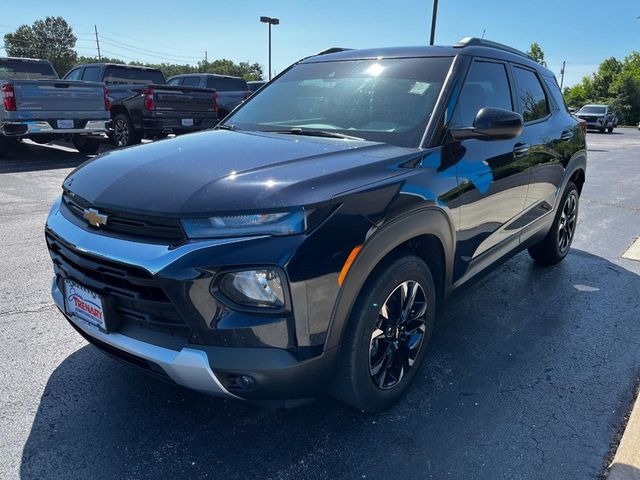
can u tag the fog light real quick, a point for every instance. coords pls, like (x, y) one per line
(254, 288)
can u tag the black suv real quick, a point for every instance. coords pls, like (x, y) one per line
(307, 243)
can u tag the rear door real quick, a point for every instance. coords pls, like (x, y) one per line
(550, 135)
(493, 174)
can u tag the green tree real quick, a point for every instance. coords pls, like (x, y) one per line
(626, 101)
(51, 39)
(603, 79)
(537, 54)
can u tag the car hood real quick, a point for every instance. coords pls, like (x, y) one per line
(226, 171)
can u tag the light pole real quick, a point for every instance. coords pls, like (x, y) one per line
(270, 21)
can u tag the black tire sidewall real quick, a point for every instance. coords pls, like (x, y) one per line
(364, 317)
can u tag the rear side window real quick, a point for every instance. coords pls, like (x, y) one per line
(74, 74)
(533, 101)
(227, 84)
(126, 76)
(191, 81)
(556, 94)
(174, 81)
(487, 85)
(91, 74)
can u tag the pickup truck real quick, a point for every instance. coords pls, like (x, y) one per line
(144, 106)
(37, 105)
(232, 91)
(598, 117)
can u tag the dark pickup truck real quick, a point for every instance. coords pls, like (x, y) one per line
(144, 106)
(232, 91)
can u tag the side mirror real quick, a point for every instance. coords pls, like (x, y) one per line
(491, 124)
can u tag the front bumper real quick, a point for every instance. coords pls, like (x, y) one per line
(188, 367)
(211, 359)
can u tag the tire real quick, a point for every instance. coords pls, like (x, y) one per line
(123, 133)
(602, 130)
(86, 145)
(610, 129)
(6, 145)
(556, 244)
(378, 360)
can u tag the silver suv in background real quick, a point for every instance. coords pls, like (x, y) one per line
(598, 117)
(36, 104)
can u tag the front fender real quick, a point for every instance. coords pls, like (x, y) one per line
(426, 221)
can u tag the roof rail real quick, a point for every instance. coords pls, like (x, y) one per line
(326, 51)
(481, 42)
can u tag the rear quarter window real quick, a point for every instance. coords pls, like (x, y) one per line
(227, 84)
(533, 102)
(127, 76)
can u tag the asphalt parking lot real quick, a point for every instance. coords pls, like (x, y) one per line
(529, 375)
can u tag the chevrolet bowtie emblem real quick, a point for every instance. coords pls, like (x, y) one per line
(94, 217)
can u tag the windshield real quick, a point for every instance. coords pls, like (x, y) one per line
(593, 109)
(387, 100)
(10, 68)
(127, 76)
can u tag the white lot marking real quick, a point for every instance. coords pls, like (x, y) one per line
(585, 288)
(633, 252)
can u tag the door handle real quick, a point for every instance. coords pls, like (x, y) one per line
(566, 136)
(520, 150)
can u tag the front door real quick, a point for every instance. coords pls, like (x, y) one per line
(493, 175)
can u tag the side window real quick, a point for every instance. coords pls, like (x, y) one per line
(487, 85)
(91, 74)
(74, 74)
(174, 81)
(191, 81)
(533, 101)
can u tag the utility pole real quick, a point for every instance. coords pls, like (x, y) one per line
(95, 28)
(562, 75)
(206, 60)
(434, 16)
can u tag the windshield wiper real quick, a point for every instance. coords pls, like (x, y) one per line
(315, 133)
(227, 127)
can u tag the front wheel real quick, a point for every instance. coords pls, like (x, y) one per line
(86, 145)
(385, 339)
(555, 246)
(610, 129)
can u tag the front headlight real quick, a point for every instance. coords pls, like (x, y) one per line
(253, 288)
(277, 223)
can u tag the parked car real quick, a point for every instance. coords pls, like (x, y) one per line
(255, 85)
(598, 117)
(39, 106)
(307, 243)
(144, 106)
(232, 91)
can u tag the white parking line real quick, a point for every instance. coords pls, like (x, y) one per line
(633, 252)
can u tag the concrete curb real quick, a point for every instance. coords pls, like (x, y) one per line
(626, 463)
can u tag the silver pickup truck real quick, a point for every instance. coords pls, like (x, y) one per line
(37, 105)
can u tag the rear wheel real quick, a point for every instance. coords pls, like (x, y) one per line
(555, 246)
(386, 337)
(86, 145)
(123, 133)
(6, 145)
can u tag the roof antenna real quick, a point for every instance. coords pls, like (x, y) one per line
(483, 30)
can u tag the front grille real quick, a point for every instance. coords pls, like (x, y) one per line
(149, 228)
(131, 294)
(589, 119)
